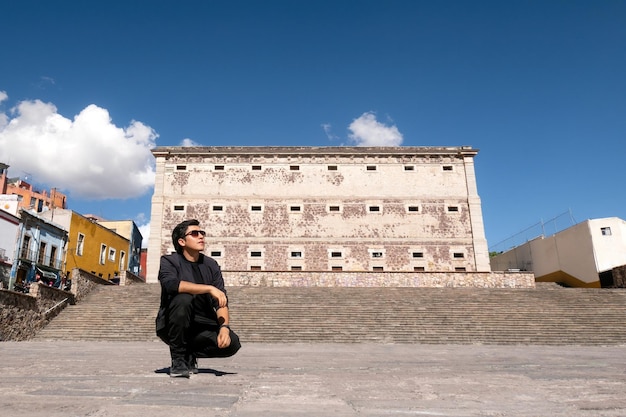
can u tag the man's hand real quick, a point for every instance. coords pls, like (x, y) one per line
(193, 288)
(219, 296)
(223, 338)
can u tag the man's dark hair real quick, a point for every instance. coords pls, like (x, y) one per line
(179, 232)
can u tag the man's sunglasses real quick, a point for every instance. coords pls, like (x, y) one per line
(195, 233)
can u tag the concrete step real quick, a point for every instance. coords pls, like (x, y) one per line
(546, 315)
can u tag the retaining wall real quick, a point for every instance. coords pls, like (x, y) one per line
(22, 315)
(380, 279)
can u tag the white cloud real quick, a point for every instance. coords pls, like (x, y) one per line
(3, 117)
(328, 130)
(367, 131)
(87, 157)
(189, 142)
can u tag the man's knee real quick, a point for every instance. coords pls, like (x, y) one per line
(206, 345)
(180, 307)
(233, 348)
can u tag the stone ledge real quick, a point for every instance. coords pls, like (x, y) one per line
(379, 279)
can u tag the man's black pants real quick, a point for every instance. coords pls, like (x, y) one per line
(189, 336)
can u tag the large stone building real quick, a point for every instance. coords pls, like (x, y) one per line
(315, 209)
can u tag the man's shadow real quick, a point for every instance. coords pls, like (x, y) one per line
(200, 371)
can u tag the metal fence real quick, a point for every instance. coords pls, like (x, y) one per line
(543, 228)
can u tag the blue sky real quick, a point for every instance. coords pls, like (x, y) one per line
(88, 88)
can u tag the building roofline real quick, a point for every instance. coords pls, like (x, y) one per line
(164, 151)
(36, 215)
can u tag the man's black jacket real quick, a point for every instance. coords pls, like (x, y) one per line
(173, 269)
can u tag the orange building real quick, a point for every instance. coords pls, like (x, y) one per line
(30, 198)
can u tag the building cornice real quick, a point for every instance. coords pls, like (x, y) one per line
(166, 151)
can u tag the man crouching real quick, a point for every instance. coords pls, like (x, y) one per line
(193, 315)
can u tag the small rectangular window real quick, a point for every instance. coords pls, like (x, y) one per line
(606, 231)
(378, 268)
(371, 167)
(409, 168)
(42, 252)
(80, 243)
(122, 260)
(332, 167)
(453, 209)
(256, 208)
(218, 208)
(53, 256)
(447, 167)
(294, 168)
(181, 167)
(460, 269)
(296, 268)
(256, 167)
(103, 254)
(295, 208)
(255, 268)
(255, 254)
(377, 254)
(418, 254)
(216, 253)
(296, 254)
(219, 167)
(419, 269)
(459, 255)
(111, 254)
(374, 209)
(335, 255)
(413, 209)
(336, 268)
(334, 208)
(179, 208)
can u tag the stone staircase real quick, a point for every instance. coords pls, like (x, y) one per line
(547, 315)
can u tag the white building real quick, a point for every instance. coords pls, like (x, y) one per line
(583, 255)
(9, 227)
(304, 209)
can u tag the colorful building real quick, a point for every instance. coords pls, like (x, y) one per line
(9, 226)
(39, 252)
(91, 246)
(130, 231)
(29, 197)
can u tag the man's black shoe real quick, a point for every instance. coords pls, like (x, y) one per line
(192, 364)
(179, 368)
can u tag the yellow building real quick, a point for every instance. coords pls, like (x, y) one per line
(91, 246)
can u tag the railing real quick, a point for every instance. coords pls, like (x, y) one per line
(33, 256)
(543, 228)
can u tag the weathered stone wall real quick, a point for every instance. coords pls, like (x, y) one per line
(50, 301)
(619, 276)
(128, 278)
(380, 279)
(5, 273)
(20, 317)
(84, 282)
(338, 208)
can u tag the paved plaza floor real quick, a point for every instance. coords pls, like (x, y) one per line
(101, 379)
